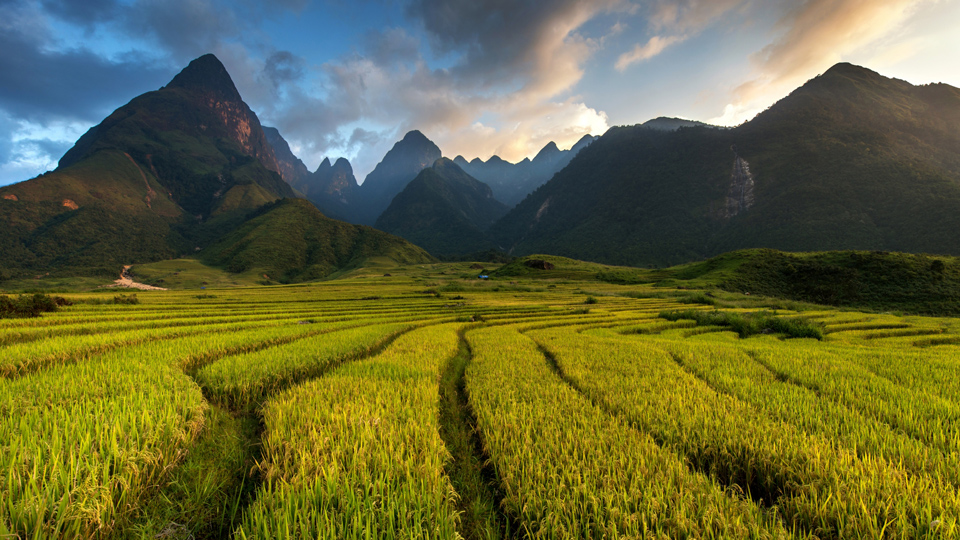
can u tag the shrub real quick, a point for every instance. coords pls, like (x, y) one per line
(30, 305)
(748, 324)
(126, 299)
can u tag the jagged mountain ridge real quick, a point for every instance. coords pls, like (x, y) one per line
(171, 171)
(443, 210)
(850, 160)
(511, 182)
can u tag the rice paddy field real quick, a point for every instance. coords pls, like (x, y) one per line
(428, 404)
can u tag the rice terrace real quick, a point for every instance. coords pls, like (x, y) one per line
(479, 270)
(423, 402)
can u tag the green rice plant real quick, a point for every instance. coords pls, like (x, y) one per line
(570, 470)
(817, 486)
(837, 376)
(246, 380)
(730, 370)
(80, 444)
(357, 453)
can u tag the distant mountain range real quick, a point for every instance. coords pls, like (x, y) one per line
(444, 210)
(850, 160)
(511, 182)
(172, 172)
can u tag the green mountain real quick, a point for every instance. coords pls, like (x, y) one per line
(291, 240)
(168, 174)
(851, 160)
(444, 210)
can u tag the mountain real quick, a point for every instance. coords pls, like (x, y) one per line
(851, 160)
(333, 188)
(511, 182)
(399, 166)
(167, 174)
(664, 123)
(443, 210)
(290, 240)
(291, 169)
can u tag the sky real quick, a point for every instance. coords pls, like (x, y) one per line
(478, 77)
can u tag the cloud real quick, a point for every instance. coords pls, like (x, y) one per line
(674, 21)
(502, 90)
(527, 43)
(86, 14)
(651, 48)
(282, 67)
(814, 36)
(686, 16)
(27, 149)
(42, 84)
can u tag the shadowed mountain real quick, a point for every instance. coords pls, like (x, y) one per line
(851, 160)
(333, 188)
(164, 175)
(511, 182)
(443, 210)
(292, 170)
(399, 166)
(290, 240)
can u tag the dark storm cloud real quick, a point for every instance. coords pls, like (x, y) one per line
(363, 137)
(282, 67)
(86, 13)
(390, 46)
(40, 85)
(508, 40)
(184, 28)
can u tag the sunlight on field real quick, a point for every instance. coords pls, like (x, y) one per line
(429, 404)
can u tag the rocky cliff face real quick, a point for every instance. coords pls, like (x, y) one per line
(292, 170)
(740, 193)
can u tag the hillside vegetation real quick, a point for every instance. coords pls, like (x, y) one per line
(290, 241)
(851, 160)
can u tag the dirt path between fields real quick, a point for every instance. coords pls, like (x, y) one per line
(127, 282)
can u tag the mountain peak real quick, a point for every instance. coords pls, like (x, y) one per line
(416, 137)
(847, 67)
(206, 74)
(324, 165)
(342, 164)
(548, 151)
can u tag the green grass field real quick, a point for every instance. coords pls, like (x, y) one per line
(422, 402)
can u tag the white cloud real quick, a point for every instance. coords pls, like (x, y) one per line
(651, 48)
